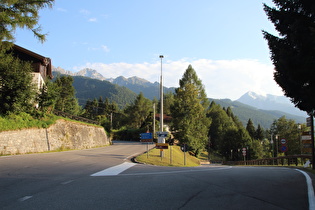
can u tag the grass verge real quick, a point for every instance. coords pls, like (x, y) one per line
(154, 158)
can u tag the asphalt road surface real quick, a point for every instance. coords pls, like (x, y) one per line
(104, 178)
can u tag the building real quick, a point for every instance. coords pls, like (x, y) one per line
(42, 67)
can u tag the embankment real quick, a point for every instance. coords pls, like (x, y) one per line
(62, 135)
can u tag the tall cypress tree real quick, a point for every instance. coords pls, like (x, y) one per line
(293, 52)
(189, 110)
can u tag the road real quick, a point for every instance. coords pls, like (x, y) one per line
(104, 178)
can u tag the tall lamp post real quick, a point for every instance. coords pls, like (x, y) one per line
(161, 99)
(161, 139)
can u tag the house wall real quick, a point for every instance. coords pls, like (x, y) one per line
(63, 134)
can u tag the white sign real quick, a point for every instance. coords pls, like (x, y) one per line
(283, 141)
(306, 137)
(162, 134)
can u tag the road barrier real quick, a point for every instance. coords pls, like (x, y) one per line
(282, 161)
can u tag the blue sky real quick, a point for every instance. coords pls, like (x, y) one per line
(222, 40)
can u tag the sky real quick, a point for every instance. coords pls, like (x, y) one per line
(222, 40)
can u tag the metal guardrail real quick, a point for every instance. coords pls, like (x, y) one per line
(73, 117)
(284, 161)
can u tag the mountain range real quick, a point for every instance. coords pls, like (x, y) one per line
(263, 110)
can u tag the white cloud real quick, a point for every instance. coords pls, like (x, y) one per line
(221, 78)
(105, 48)
(84, 12)
(61, 9)
(92, 20)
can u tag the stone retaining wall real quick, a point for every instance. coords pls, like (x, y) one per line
(62, 135)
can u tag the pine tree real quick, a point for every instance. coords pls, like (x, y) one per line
(20, 14)
(251, 128)
(138, 112)
(293, 51)
(189, 110)
(66, 100)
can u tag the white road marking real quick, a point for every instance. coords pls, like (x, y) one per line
(115, 170)
(310, 190)
(67, 182)
(25, 198)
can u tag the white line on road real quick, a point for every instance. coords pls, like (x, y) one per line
(25, 198)
(310, 190)
(67, 182)
(115, 170)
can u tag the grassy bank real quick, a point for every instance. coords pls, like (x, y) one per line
(154, 158)
(24, 120)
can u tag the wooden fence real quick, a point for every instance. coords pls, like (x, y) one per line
(73, 117)
(293, 160)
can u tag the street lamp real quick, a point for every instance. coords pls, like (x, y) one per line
(161, 98)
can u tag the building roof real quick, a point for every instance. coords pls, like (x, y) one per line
(27, 55)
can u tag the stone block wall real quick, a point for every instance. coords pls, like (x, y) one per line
(63, 134)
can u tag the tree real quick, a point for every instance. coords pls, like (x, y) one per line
(47, 97)
(22, 14)
(251, 128)
(190, 122)
(138, 112)
(293, 52)
(66, 100)
(288, 130)
(260, 133)
(17, 92)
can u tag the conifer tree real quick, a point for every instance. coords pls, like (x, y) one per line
(292, 52)
(20, 14)
(189, 110)
(251, 128)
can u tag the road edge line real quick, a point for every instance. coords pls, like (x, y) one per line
(310, 190)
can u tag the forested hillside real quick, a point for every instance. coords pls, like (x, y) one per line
(263, 117)
(89, 89)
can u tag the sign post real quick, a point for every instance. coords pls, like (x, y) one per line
(244, 154)
(146, 137)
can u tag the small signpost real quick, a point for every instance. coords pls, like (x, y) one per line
(244, 153)
(162, 145)
(148, 138)
(283, 147)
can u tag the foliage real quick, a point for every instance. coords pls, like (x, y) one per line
(104, 112)
(24, 120)
(251, 128)
(22, 14)
(66, 100)
(127, 134)
(138, 112)
(47, 97)
(190, 122)
(293, 51)
(17, 92)
(289, 130)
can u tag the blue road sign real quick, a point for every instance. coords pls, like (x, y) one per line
(284, 148)
(146, 135)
